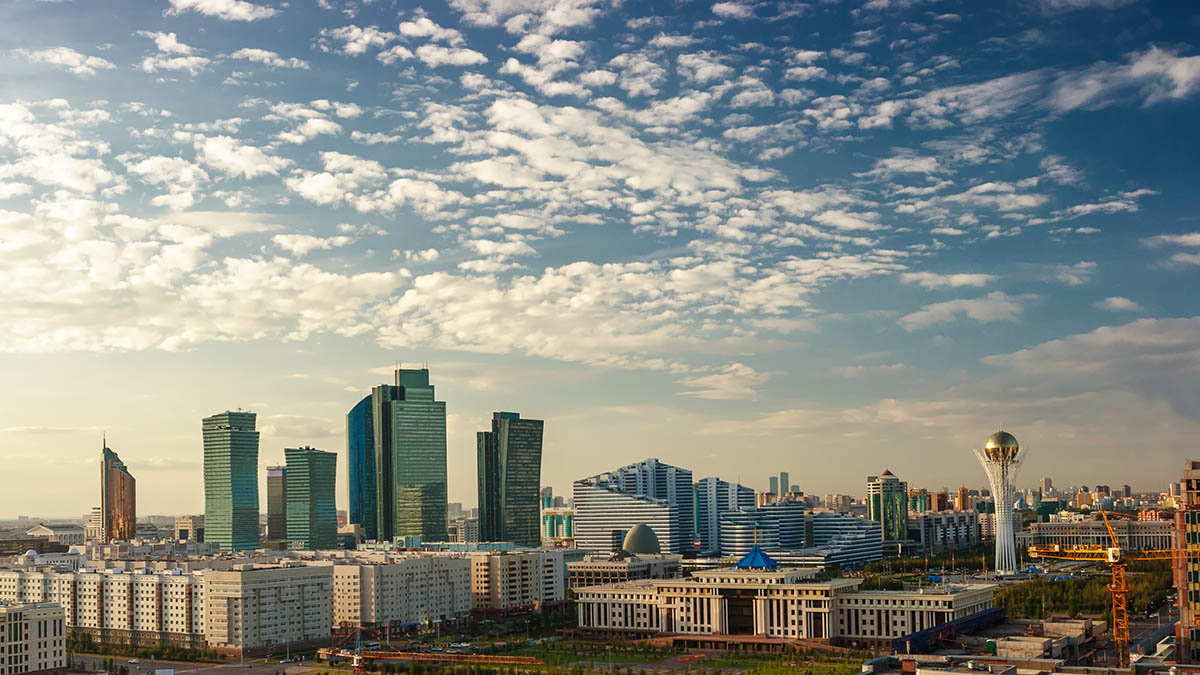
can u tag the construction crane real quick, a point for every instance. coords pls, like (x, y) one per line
(1118, 559)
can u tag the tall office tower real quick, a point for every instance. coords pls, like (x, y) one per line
(714, 497)
(785, 486)
(360, 460)
(510, 475)
(962, 501)
(311, 513)
(118, 498)
(774, 485)
(940, 501)
(1126, 491)
(1187, 568)
(1047, 486)
(609, 504)
(277, 503)
(1001, 459)
(887, 504)
(231, 480)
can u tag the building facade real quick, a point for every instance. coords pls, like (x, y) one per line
(397, 594)
(558, 526)
(189, 528)
(1131, 534)
(651, 492)
(942, 531)
(33, 639)
(231, 480)
(256, 609)
(68, 534)
(715, 497)
(511, 581)
(276, 503)
(887, 504)
(509, 468)
(360, 460)
(310, 488)
(1187, 568)
(778, 526)
(595, 570)
(118, 498)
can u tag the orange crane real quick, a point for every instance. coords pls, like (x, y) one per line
(1118, 559)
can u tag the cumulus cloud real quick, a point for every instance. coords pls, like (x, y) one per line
(65, 57)
(301, 245)
(227, 10)
(269, 58)
(995, 306)
(1117, 303)
(735, 381)
(933, 280)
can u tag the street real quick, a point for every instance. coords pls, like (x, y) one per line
(147, 667)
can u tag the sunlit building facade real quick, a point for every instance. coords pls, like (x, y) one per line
(887, 504)
(276, 503)
(118, 498)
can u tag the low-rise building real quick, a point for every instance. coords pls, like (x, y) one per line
(189, 527)
(1132, 534)
(32, 639)
(256, 609)
(400, 593)
(65, 533)
(619, 567)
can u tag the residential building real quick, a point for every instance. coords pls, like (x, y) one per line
(231, 480)
(713, 498)
(189, 528)
(962, 501)
(33, 639)
(140, 607)
(407, 427)
(778, 526)
(310, 484)
(887, 504)
(651, 492)
(118, 498)
(759, 604)
(620, 567)
(839, 503)
(1047, 485)
(942, 531)
(1187, 568)
(509, 466)
(69, 534)
(276, 503)
(919, 500)
(402, 592)
(511, 581)
(257, 609)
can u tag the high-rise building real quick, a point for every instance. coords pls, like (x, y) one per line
(231, 480)
(1187, 568)
(118, 498)
(1126, 491)
(713, 498)
(1047, 486)
(311, 514)
(774, 482)
(887, 504)
(962, 501)
(1001, 459)
(609, 504)
(919, 500)
(277, 503)
(510, 477)
(785, 485)
(396, 439)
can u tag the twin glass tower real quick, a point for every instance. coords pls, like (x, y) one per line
(396, 442)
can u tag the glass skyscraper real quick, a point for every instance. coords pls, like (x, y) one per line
(231, 480)
(887, 504)
(277, 503)
(118, 498)
(311, 513)
(396, 439)
(510, 474)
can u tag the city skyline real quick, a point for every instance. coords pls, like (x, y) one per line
(855, 236)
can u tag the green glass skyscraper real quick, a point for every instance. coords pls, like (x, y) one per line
(311, 514)
(231, 480)
(510, 476)
(409, 432)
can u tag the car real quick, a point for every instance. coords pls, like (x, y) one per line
(134, 661)
(285, 660)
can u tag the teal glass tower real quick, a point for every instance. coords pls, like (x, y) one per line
(231, 480)
(510, 474)
(311, 513)
(409, 433)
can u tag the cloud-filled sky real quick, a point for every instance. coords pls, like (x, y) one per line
(825, 237)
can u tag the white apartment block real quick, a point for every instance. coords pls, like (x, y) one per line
(139, 606)
(403, 592)
(514, 581)
(259, 609)
(779, 603)
(32, 639)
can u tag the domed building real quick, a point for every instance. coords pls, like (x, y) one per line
(641, 540)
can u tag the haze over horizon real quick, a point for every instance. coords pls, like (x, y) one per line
(826, 238)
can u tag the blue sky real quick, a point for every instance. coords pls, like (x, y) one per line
(825, 237)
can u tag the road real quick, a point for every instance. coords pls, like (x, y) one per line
(147, 667)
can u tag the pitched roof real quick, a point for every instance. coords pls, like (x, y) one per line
(756, 559)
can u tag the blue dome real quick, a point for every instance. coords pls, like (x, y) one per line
(756, 559)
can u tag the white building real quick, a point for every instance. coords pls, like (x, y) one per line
(32, 639)
(139, 607)
(515, 581)
(69, 534)
(609, 504)
(1131, 534)
(715, 497)
(257, 609)
(401, 593)
(941, 531)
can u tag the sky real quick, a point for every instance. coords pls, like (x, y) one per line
(826, 237)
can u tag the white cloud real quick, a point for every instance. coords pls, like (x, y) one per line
(733, 10)
(995, 306)
(357, 40)
(166, 43)
(1075, 275)
(1117, 303)
(546, 17)
(423, 26)
(234, 158)
(301, 245)
(436, 55)
(932, 280)
(228, 10)
(735, 381)
(869, 371)
(73, 61)
(702, 67)
(189, 64)
(269, 58)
